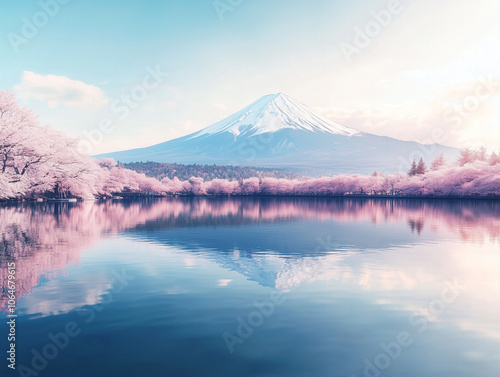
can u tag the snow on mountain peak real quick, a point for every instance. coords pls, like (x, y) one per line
(279, 132)
(272, 113)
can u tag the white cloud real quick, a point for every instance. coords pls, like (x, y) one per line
(57, 90)
(224, 282)
(54, 298)
(460, 113)
(176, 290)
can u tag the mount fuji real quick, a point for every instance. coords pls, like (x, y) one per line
(277, 131)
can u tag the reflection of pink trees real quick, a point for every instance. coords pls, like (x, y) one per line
(43, 239)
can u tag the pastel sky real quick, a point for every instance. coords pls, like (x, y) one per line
(430, 71)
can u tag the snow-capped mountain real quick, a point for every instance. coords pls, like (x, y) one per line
(272, 113)
(280, 132)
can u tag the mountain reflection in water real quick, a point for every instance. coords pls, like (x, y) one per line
(44, 238)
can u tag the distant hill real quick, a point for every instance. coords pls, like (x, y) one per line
(161, 170)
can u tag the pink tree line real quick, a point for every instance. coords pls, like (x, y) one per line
(473, 179)
(475, 173)
(37, 160)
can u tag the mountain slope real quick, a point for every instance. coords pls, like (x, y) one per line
(272, 113)
(279, 132)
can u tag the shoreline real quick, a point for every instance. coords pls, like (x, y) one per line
(353, 196)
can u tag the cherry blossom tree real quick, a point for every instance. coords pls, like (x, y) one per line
(481, 154)
(197, 186)
(494, 159)
(176, 186)
(466, 156)
(413, 169)
(221, 187)
(250, 186)
(421, 167)
(438, 163)
(37, 159)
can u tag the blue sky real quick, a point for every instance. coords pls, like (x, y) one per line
(422, 62)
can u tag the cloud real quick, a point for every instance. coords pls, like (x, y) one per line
(224, 282)
(57, 90)
(176, 290)
(55, 298)
(219, 106)
(461, 113)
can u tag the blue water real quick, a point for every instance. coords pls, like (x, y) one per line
(254, 287)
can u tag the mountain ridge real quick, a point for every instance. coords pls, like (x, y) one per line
(287, 112)
(277, 131)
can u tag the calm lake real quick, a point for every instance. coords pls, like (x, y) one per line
(254, 287)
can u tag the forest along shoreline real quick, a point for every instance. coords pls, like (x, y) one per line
(347, 196)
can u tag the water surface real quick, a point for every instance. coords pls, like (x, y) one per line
(256, 287)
